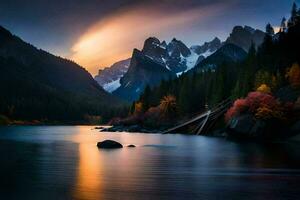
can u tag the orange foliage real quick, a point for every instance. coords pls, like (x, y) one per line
(168, 105)
(138, 108)
(265, 112)
(293, 75)
(264, 88)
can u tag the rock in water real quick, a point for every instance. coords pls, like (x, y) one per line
(131, 145)
(109, 144)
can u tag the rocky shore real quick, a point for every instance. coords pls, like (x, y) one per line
(244, 127)
(131, 128)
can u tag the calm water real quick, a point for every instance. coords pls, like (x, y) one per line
(63, 162)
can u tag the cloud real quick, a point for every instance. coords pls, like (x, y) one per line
(276, 29)
(113, 38)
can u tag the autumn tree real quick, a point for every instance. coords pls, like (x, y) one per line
(138, 108)
(293, 75)
(168, 106)
(264, 89)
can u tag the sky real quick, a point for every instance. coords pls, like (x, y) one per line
(97, 33)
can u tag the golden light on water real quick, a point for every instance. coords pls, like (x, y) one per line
(113, 38)
(88, 178)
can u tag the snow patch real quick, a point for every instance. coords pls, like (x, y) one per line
(163, 47)
(112, 86)
(207, 53)
(165, 63)
(179, 74)
(191, 61)
(149, 57)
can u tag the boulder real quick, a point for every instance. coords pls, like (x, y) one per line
(131, 145)
(109, 144)
(287, 94)
(245, 127)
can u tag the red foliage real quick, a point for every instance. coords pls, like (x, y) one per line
(239, 106)
(153, 113)
(259, 99)
(261, 105)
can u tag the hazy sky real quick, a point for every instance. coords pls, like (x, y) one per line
(96, 33)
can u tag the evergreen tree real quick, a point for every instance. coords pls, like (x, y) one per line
(294, 14)
(146, 98)
(283, 25)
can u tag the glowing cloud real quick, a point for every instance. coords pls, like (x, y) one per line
(113, 38)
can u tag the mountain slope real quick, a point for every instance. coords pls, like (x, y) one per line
(38, 85)
(228, 53)
(109, 77)
(143, 70)
(244, 36)
(155, 62)
(207, 48)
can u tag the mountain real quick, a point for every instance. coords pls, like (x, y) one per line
(175, 57)
(143, 70)
(228, 53)
(38, 85)
(109, 77)
(160, 60)
(244, 36)
(207, 48)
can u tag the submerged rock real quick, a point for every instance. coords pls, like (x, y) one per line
(109, 144)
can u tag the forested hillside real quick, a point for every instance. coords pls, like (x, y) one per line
(36, 85)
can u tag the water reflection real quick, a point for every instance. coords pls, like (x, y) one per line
(64, 163)
(88, 183)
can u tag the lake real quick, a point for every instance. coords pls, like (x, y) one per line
(63, 162)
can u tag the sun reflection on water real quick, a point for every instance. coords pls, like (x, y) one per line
(89, 183)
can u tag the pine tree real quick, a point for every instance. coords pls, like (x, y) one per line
(270, 30)
(294, 14)
(132, 108)
(283, 25)
(145, 98)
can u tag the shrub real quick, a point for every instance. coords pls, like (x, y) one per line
(153, 117)
(138, 108)
(261, 105)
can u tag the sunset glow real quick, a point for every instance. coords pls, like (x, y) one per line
(114, 38)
